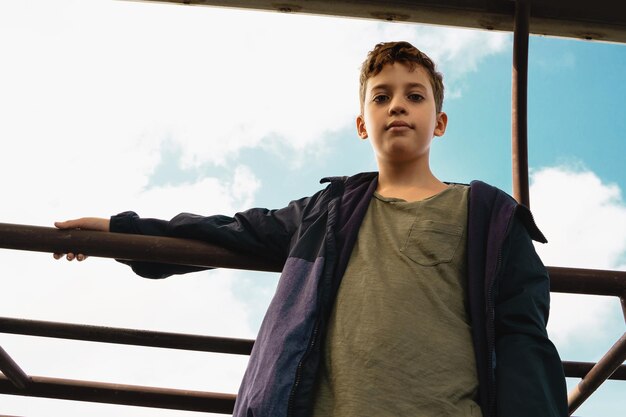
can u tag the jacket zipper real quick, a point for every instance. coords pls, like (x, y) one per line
(296, 383)
(314, 337)
(491, 400)
(491, 342)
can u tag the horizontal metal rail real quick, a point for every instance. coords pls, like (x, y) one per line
(587, 281)
(126, 336)
(196, 253)
(129, 247)
(183, 341)
(582, 369)
(68, 389)
(154, 397)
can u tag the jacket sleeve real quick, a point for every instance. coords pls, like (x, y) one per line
(529, 374)
(262, 232)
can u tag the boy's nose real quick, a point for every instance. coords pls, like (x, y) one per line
(397, 107)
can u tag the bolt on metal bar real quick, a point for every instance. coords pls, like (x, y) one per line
(126, 336)
(12, 371)
(519, 111)
(598, 374)
(176, 399)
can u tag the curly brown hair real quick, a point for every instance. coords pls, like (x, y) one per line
(405, 53)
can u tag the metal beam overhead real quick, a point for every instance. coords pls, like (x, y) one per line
(603, 20)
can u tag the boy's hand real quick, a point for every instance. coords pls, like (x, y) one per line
(85, 223)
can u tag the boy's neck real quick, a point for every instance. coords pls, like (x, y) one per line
(408, 182)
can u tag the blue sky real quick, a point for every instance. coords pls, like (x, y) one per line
(112, 105)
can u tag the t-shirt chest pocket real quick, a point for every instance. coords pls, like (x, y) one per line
(431, 243)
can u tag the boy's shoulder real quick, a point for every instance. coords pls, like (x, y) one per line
(491, 202)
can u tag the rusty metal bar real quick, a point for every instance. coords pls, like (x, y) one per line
(598, 374)
(182, 341)
(176, 399)
(126, 336)
(622, 300)
(587, 281)
(519, 110)
(12, 371)
(129, 247)
(581, 369)
(193, 252)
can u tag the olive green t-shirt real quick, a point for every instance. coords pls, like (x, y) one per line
(399, 340)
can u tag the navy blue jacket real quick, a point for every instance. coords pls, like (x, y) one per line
(519, 370)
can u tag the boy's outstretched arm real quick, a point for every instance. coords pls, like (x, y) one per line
(258, 231)
(529, 374)
(86, 223)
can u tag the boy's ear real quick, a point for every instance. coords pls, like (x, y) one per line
(360, 127)
(442, 122)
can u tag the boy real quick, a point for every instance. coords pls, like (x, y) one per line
(400, 295)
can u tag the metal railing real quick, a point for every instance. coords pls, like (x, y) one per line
(17, 382)
(191, 252)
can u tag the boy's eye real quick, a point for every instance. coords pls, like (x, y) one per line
(381, 98)
(415, 97)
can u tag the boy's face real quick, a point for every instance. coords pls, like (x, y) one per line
(399, 114)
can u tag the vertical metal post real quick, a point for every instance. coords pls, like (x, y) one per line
(519, 113)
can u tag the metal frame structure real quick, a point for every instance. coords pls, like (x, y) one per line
(189, 252)
(607, 21)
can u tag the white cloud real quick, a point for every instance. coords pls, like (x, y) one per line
(584, 220)
(215, 80)
(458, 50)
(205, 196)
(102, 292)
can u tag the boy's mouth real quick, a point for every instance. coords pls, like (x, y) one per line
(398, 124)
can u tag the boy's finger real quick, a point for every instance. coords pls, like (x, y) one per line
(87, 223)
(68, 224)
(70, 256)
(57, 255)
(60, 225)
